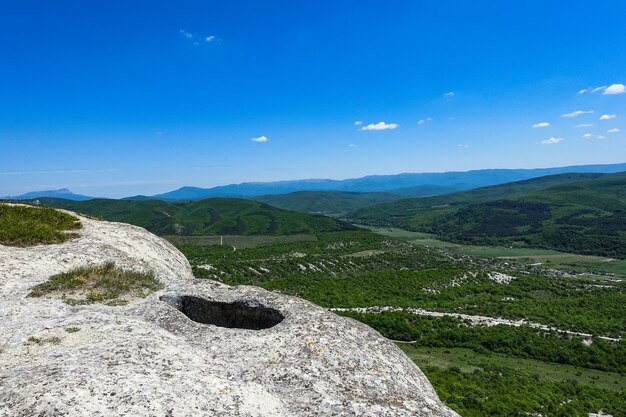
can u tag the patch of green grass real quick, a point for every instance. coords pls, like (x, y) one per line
(98, 283)
(468, 361)
(72, 329)
(27, 226)
(33, 340)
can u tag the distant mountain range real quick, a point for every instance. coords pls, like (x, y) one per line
(412, 185)
(404, 184)
(61, 193)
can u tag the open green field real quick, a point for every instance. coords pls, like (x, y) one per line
(468, 361)
(569, 262)
(239, 241)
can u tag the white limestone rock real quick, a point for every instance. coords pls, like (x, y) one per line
(150, 359)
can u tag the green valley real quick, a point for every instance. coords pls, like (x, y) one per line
(579, 213)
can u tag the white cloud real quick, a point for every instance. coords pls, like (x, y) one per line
(600, 137)
(210, 38)
(463, 145)
(615, 89)
(595, 90)
(260, 139)
(542, 124)
(577, 113)
(186, 34)
(584, 90)
(358, 123)
(587, 136)
(380, 126)
(422, 121)
(607, 117)
(613, 130)
(584, 125)
(352, 145)
(551, 141)
(450, 94)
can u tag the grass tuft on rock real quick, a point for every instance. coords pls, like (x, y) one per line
(104, 283)
(27, 226)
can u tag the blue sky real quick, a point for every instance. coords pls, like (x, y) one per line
(115, 98)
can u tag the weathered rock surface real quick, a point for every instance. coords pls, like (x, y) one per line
(150, 359)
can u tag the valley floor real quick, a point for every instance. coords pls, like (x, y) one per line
(498, 331)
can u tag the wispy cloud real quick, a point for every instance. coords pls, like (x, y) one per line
(450, 94)
(380, 126)
(592, 90)
(607, 117)
(606, 90)
(541, 124)
(352, 145)
(613, 130)
(463, 145)
(584, 125)
(187, 35)
(590, 136)
(577, 113)
(191, 37)
(260, 139)
(615, 89)
(551, 141)
(422, 121)
(358, 123)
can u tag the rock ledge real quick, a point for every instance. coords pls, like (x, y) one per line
(195, 348)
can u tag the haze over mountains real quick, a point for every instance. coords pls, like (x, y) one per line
(60, 193)
(408, 184)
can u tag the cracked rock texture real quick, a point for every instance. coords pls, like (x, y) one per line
(149, 359)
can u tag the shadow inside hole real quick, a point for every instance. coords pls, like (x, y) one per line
(236, 315)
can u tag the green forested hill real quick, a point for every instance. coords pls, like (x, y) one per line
(578, 213)
(211, 216)
(402, 213)
(326, 202)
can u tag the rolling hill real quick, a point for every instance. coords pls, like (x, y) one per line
(409, 213)
(579, 213)
(212, 216)
(334, 203)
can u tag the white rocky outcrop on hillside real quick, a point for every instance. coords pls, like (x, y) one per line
(149, 358)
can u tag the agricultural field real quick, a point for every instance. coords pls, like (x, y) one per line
(238, 241)
(468, 319)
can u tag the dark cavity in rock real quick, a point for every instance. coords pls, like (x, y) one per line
(236, 315)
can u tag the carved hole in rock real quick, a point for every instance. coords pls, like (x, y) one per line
(236, 315)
